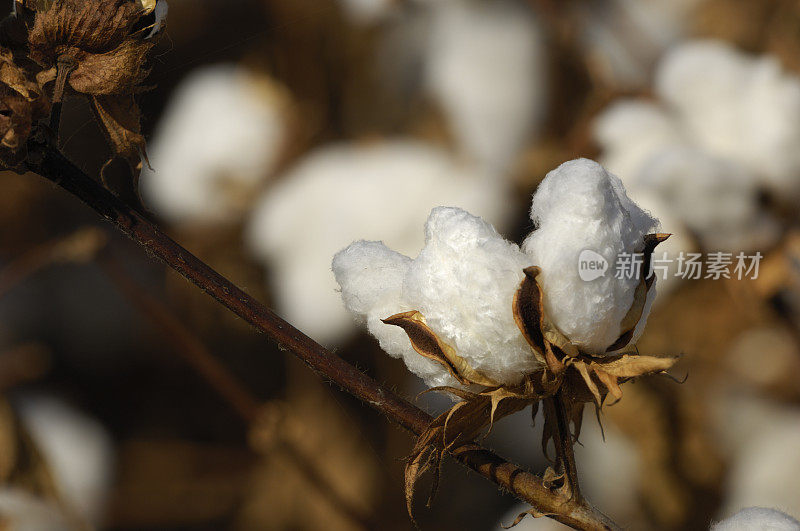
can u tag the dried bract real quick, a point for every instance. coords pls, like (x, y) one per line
(22, 103)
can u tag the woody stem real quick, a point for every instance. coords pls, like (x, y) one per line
(563, 443)
(64, 67)
(52, 165)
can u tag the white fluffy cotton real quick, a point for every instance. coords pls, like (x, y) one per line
(465, 278)
(716, 198)
(463, 282)
(218, 141)
(737, 106)
(485, 68)
(345, 192)
(758, 519)
(580, 206)
(22, 511)
(77, 450)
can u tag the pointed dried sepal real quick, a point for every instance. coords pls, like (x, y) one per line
(529, 310)
(428, 344)
(634, 315)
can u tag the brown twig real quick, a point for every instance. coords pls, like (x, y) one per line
(192, 350)
(563, 443)
(52, 165)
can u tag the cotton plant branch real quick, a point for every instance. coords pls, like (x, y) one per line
(241, 400)
(49, 163)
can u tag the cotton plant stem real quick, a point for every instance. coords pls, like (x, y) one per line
(564, 445)
(53, 166)
(247, 407)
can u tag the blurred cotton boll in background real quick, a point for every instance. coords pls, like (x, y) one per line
(22, 511)
(369, 11)
(754, 518)
(219, 140)
(77, 450)
(623, 38)
(485, 67)
(716, 198)
(746, 108)
(346, 192)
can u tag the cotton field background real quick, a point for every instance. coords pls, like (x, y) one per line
(280, 132)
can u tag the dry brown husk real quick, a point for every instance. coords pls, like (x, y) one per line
(22, 103)
(579, 378)
(105, 43)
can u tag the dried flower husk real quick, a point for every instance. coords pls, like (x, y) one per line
(578, 377)
(102, 46)
(22, 103)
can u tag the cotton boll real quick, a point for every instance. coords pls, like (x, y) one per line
(580, 206)
(219, 139)
(629, 133)
(21, 511)
(758, 519)
(346, 192)
(463, 282)
(485, 69)
(77, 450)
(737, 106)
(715, 198)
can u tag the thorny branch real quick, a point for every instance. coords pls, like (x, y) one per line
(528, 487)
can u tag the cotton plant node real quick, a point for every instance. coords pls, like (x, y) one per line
(95, 48)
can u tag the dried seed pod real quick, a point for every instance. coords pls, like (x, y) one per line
(98, 48)
(21, 104)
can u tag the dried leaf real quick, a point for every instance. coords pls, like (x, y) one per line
(632, 366)
(119, 116)
(428, 344)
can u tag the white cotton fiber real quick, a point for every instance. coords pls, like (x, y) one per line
(737, 106)
(77, 450)
(346, 192)
(485, 68)
(715, 198)
(22, 511)
(219, 140)
(580, 206)
(463, 282)
(629, 133)
(758, 519)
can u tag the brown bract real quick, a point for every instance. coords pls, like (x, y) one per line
(569, 378)
(21, 104)
(103, 45)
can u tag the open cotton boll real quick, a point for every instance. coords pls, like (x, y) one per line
(219, 139)
(738, 106)
(580, 206)
(77, 450)
(757, 519)
(463, 283)
(21, 511)
(346, 192)
(485, 68)
(629, 133)
(715, 198)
